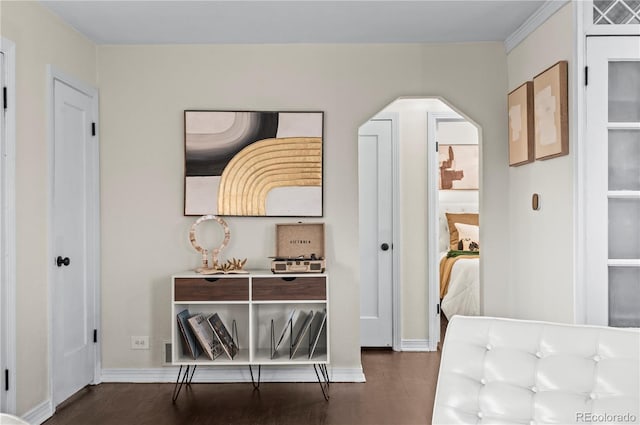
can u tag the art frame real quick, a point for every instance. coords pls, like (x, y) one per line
(521, 125)
(458, 167)
(253, 163)
(551, 112)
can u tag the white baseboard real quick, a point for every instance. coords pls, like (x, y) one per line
(232, 374)
(415, 345)
(40, 413)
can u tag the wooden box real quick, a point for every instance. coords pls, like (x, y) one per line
(300, 240)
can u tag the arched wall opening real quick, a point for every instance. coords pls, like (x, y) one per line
(402, 284)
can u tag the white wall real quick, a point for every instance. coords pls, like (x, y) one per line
(41, 39)
(541, 242)
(144, 90)
(143, 93)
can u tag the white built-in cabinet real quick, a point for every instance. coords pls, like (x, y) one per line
(612, 180)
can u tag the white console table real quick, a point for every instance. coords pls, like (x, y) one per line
(259, 302)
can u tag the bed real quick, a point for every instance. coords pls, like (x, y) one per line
(460, 273)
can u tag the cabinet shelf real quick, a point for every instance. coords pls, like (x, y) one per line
(192, 302)
(241, 359)
(623, 263)
(290, 302)
(263, 357)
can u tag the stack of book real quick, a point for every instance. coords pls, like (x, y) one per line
(206, 334)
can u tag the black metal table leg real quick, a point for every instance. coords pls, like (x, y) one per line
(186, 380)
(253, 381)
(193, 372)
(324, 380)
(180, 383)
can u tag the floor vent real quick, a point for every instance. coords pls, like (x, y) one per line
(167, 353)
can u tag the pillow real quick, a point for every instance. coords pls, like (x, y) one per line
(464, 218)
(469, 237)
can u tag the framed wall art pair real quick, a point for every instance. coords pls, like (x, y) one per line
(538, 117)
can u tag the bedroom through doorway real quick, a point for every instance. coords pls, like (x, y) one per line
(406, 190)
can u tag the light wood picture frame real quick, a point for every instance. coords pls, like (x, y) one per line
(551, 112)
(521, 127)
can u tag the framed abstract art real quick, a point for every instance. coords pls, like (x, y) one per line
(252, 163)
(458, 167)
(521, 131)
(551, 117)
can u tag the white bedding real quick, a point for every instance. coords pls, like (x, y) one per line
(463, 295)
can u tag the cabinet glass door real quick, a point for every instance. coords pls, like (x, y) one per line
(613, 181)
(624, 192)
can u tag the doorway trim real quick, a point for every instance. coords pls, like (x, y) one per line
(433, 203)
(396, 240)
(8, 215)
(93, 226)
(433, 262)
(396, 290)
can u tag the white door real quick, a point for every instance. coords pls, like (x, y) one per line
(3, 284)
(7, 228)
(73, 285)
(376, 225)
(612, 181)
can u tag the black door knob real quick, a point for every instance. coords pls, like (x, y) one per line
(384, 246)
(62, 261)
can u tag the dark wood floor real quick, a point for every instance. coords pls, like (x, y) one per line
(400, 389)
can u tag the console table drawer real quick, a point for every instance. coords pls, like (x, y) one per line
(212, 289)
(289, 288)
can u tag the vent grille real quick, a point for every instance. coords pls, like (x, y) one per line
(616, 12)
(168, 358)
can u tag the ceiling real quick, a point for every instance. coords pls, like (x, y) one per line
(237, 21)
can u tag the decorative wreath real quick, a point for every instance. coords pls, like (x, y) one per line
(215, 251)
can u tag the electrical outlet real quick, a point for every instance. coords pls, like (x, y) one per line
(140, 342)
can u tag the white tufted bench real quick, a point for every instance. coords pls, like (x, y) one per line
(7, 419)
(505, 371)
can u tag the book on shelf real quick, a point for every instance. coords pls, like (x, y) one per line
(301, 333)
(318, 325)
(222, 334)
(283, 334)
(190, 346)
(205, 336)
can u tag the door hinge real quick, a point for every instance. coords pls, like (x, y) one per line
(436, 146)
(438, 308)
(93, 129)
(6, 379)
(586, 75)
(95, 336)
(4, 98)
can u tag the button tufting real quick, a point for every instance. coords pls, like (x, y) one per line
(534, 389)
(483, 381)
(489, 347)
(539, 354)
(532, 422)
(597, 358)
(592, 396)
(480, 415)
